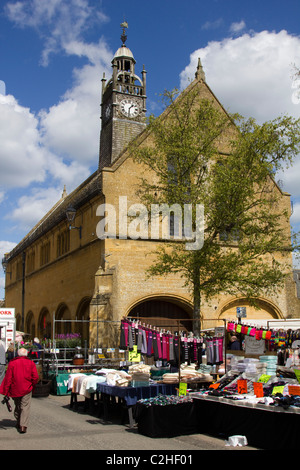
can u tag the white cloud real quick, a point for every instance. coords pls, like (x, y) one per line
(58, 22)
(5, 247)
(295, 219)
(209, 25)
(2, 87)
(71, 128)
(22, 159)
(236, 28)
(251, 74)
(32, 207)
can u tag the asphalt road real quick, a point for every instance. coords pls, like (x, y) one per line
(54, 426)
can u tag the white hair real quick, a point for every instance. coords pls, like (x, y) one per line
(22, 352)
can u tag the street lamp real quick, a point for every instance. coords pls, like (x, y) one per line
(4, 265)
(70, 214)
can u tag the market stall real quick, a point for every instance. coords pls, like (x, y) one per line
(258, 397)
(180, 393)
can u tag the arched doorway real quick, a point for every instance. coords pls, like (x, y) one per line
(83, 314)
(18, 322)
(63, 324)
(262, 310)
(164, 312)
(44, 325)
(30, 325)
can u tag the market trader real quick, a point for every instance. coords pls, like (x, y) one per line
(18, 383)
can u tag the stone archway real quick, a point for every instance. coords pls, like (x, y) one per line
(165, 312)
(63, 323)
(44, 324)
(83, 314)
(18, 322)
(264, 310)
(30, 325)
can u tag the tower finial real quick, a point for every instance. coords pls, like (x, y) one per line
(200, 72)
(124, 25)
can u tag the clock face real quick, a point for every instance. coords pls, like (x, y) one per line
(129, 108)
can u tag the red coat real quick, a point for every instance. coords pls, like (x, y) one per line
(20, 377)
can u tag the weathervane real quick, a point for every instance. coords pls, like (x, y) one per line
(124, 25)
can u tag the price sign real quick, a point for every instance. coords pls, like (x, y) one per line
(264, 378)
(258, 389)
(278, 389)
(134, 356)
(297, 374)
(242, 386)
(294, 390)
(182, 388)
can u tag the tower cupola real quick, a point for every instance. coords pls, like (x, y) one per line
(123, 104)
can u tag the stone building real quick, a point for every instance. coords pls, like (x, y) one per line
(61, 271)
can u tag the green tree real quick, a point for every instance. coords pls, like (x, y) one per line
(200, 156)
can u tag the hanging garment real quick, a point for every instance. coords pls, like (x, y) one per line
(220, 343)
(185, 351)
(155, 346)
(176, 344)
(144, 342)
(164, 347)
(210, 352)
(216, 351)
(124, 335)
(139, 339)
(158, 339)
(130, 339)
(149, 344)
(199, 351)
(171, 349)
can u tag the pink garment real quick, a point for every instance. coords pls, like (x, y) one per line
(159, 345)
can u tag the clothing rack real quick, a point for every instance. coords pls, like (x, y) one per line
(178, 320)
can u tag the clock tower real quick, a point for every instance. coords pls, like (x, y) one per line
(123, 105)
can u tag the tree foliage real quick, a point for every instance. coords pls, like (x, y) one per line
(199, 155)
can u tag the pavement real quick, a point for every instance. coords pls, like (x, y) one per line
(55, 426)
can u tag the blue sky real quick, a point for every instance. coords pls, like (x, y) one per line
(53, 55)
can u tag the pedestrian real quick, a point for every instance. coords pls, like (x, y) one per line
(37, 348)
(2, 359)
(11, 352)
(235, 344)
(20, 378)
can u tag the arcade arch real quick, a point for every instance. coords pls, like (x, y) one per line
(44, 324)
(167, 312)
(264, 310)
(30, 325)
(63, 325)
(83, 314)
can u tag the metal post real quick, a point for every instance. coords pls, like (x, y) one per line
(23, 291)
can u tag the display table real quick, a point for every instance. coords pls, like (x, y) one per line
(166, 421)
(265, 426)
(130, 395)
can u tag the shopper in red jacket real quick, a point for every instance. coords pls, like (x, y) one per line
(18, 383)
